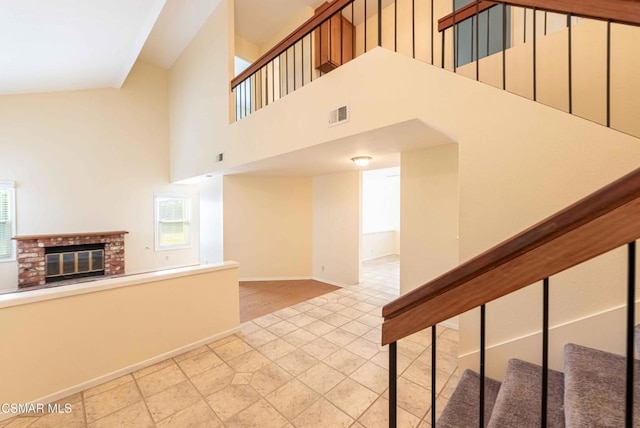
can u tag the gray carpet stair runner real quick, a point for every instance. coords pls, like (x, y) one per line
(462, 409)
(590, 393)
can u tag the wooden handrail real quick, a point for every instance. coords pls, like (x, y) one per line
(601, 222)
(309, 25)
(619, 11)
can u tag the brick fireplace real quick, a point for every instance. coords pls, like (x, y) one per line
(35, 251)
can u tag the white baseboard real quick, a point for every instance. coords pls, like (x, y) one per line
(125, 370)
(451, 324)
(275, 278)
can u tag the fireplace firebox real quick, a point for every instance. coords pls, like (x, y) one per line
(73, 261)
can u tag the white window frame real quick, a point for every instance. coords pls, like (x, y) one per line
(11, 187)
(165, 196)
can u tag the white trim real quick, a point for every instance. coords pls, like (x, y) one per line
(126, 370)
(108, 283)
(11, 187)
(275, 278)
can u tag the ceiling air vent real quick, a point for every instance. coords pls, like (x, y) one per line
(338, 116)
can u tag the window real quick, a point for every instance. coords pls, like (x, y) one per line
(173, 222)
(7, 220)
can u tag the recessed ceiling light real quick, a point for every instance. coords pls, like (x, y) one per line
(361, 160)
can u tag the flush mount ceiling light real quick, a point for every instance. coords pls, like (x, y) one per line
(361, 160)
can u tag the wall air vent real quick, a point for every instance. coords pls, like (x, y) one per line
(338, 116)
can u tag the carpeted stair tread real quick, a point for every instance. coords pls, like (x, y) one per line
(594, 393)
(520, 398)
(462, 410)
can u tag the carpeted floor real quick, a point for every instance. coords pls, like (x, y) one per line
(258, 298)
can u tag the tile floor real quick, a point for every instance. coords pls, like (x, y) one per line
(314, 364)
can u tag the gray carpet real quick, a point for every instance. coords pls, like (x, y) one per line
(519, 401)
(595, 388)
(462, 411)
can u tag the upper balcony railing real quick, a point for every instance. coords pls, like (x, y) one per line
(578, 57)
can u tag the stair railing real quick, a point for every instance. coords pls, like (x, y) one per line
(459, 39)
(601, 222)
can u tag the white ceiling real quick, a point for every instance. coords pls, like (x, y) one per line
(384, 145)
(56, 45)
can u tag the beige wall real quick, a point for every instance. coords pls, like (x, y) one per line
(380, 244)
(336, 227)
(92, 160)
(429, 214)
(199, 101)
(267, 225)
(110, 331)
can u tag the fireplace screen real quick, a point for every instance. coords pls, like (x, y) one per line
(72, 262)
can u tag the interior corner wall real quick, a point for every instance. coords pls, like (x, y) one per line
(429, 214)
(336, 227)
(211, 220)
(90, 161)
(199, 96)
(268, 225)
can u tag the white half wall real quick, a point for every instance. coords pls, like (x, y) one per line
(336, 227)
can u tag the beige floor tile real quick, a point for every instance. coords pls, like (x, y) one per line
(269, 378)
(300, 337)
(319, 328)
(172, 400)
(303, 307)
(318, 313)
(223, 341)
(276, 349)
(323, 414)
(160, 380)
(320, 348)
(351, 313)
(292, 398)
(232, 400)
(21, 422)
(73, 419)
(286, 313)
(296, 362)
(151, 369)
(71, 399)
(109, 385)
(356, 327)
(447, 346)
(340, 337)
(363, 348)
(198, 415)
(382, 359)
(267, 320)
(249, 362)
(412, 397)
(318, 301)
(259, 338)
(336, 320)
(241, 379)
(247, 328)
(370, 320)
(347, 301)
(374, 336)
(344, 361)
(321, 378)
(233, 349)
(364, 307)
(301, 320)
(259, 415)
(351, 397)
(100, 405)
(372, 376)
(200, 363)
(419, 373)
(135, 415)
(191, 353)
(213, 380)
(282, 328)
(377, 416)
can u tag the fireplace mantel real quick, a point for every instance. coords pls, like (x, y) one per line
(32, 251)
(68, 235)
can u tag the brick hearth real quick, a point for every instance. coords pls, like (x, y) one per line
(31, 253)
